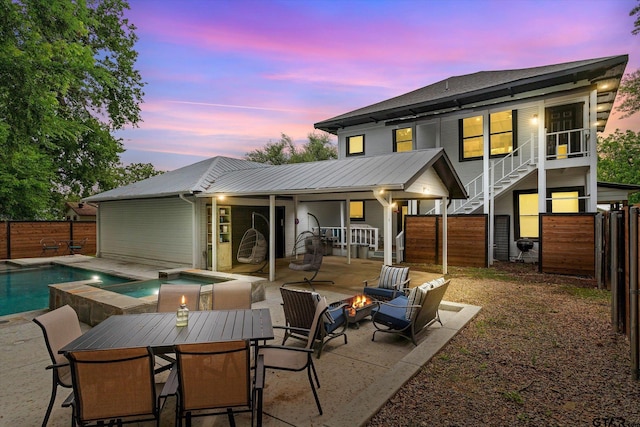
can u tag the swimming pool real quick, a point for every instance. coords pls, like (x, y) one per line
(26, 289)
(150, 287)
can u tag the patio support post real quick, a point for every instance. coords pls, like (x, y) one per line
(214, 246)
(347, 236)
(590, 147)
(542, 158)
(272, 237)
(445, 234)
(387, 222)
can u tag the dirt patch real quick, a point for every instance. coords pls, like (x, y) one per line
(541, 352)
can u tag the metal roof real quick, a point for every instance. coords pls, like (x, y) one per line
(456, 92)
(395, 171)
(194, 178)
(235, 177)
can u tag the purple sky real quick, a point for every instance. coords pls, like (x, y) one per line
(226, 77)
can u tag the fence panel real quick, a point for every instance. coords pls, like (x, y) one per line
(467, 240)
(420, 239)
(21, 239)
(568, 244)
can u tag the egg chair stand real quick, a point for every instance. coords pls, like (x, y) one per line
(307, 256)
(253, 246)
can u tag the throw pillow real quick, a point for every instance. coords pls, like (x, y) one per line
(414, 298)
(391, 276)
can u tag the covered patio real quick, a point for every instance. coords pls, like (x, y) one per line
(356, 378)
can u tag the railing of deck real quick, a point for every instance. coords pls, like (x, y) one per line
(360, 235)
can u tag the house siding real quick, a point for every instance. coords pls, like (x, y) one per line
(157, 230)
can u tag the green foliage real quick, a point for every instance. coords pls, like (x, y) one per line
(67, 80)
(319, 147)
(619, 159)
(134, 172)
(630, 84)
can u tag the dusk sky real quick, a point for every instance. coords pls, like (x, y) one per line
(227, 77)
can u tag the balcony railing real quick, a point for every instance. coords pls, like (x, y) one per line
(568, 144)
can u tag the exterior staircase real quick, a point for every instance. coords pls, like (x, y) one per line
(504, 173)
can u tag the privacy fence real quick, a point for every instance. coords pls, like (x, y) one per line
(568, 243)
(24, 239)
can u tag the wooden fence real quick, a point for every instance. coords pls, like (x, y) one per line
(22, 239)
(568, 244)
(467, 240)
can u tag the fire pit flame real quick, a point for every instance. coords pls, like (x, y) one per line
(360, 301)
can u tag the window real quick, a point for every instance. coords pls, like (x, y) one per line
(402, 139)
(355, 145)
(472, 143)
(528, 215)
(501, 131)
(356, 210)
(565, 200)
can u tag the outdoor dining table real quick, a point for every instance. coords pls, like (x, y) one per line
(159, 330)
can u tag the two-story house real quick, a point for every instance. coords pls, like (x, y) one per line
(522, 141)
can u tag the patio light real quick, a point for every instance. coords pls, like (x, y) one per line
(182, 315)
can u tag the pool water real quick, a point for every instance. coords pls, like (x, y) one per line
(151, 287)
(26, 289)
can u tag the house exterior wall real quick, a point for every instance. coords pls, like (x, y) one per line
(156, 230)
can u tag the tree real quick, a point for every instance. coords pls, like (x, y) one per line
(319, 147)
(67, 81)
(619, 159)
(630, 84)
(134, 172)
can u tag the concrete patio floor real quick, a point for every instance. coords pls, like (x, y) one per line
(356, 379)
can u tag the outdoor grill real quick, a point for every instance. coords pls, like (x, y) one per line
(525, 245)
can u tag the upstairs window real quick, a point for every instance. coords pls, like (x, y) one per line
(402, 139)
(355, 145)
(501, 135)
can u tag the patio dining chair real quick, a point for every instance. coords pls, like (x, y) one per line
(60, 327)
(232, 295)
(169, 297)
(116, 386)
(215, 379)
(297, 359)
(299, 308)
(169, 300)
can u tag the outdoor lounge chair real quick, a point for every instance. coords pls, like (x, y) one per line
(215, 379)
(409, 315)
(392, 282)
(232, 295)
(60, 327)
(169, 297)
(299, 309)
(116, 386)
(297, 358)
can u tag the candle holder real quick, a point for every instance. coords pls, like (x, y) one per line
(182, 315)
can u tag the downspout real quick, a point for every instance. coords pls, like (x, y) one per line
(387, 206)
(194, 243)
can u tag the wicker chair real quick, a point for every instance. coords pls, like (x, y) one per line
(299, 309)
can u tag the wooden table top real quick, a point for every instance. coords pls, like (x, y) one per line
(159, 330)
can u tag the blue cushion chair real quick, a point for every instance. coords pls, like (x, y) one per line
(393, 281)
(409, 315)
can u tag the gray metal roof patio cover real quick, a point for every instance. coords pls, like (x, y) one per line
(458, 91)
(222, 175)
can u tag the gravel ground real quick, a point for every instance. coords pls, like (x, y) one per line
(541, 352)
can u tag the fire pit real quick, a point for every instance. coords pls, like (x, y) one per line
(358, 307)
